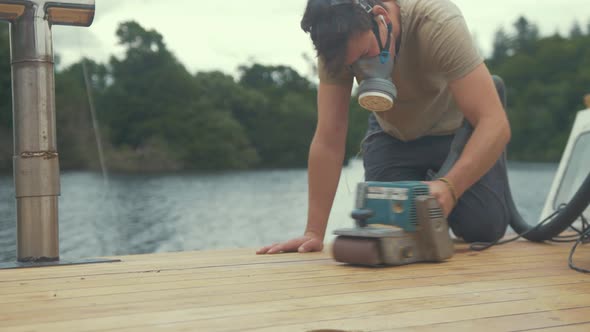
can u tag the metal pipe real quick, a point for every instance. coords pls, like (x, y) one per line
(36, 161)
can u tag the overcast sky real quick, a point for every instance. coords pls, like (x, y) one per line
(224, 34)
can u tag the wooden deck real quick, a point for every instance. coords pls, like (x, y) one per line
(516, 287)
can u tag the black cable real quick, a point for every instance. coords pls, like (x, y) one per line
(576, 230)
(572, 211)
(585, 224)
(583, 239)
(481, 246)
(574, 237)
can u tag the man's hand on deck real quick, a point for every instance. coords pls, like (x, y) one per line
(307, 243)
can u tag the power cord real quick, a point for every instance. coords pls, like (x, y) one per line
(582, 237)
(573, 238)
(481, 246)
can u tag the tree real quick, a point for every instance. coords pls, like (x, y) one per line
(156, 116)
(75, 133)
(281, 118)
(546, 81)
(502, 46)
(273, 79)
(526, 35)
(147, 84)
(154, 106)
(576, 30)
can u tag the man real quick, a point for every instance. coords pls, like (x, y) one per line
(444, 90)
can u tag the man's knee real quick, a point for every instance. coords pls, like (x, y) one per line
(479, 223)
(480, 231)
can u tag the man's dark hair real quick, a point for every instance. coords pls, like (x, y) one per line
(331, 27)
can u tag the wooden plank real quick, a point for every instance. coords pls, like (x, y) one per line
(235, 290)
(311, 270)
(175, 261)
(206, 288)
(415, 297)
(58, 303)
(524, 322)
(385, 320)
(271, 273)
(133, 266)
(565, 328)
(124, 270)
(370, 316)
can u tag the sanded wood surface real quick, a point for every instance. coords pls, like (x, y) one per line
(517, 287)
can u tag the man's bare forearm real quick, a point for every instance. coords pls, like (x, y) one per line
(485, 146)
(325, 167)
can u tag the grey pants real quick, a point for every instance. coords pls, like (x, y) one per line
(481, 214)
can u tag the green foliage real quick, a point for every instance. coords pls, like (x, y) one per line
(156, 116)
(546, 79)
(153, 97)
(75, 140)
(282, 124)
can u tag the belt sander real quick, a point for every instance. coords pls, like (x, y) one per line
(397, 223)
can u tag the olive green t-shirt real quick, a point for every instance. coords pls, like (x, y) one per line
(436, 48)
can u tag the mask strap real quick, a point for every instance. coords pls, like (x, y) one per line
(384, 51)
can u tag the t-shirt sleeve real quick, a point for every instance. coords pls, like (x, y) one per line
(453, 49)
(342, 77)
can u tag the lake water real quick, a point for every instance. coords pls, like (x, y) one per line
(133, 214)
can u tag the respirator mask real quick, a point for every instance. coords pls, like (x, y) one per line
(376, 91)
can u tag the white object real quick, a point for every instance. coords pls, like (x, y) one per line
(573, 168)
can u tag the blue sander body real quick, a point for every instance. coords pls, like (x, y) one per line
(397, 223)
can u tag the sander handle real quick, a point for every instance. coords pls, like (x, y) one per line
(361, 216)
